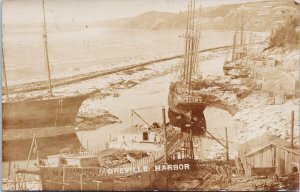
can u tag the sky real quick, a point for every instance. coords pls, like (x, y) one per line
(22, 11)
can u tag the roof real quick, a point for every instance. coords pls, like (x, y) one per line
(257, 150)
(135, 129)
(275, 141)
(292, 150)
(138, 129)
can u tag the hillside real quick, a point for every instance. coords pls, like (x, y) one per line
(261, 15)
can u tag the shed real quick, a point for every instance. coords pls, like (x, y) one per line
(271, 155)
(281, 83)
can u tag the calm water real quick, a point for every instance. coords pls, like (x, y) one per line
(87, 49)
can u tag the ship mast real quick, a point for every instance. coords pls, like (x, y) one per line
(198, 32)
(185, 68)
(234, 40)
(192, 46)
(242, 29)
(192, 37)
(50, 93)
(4, 74)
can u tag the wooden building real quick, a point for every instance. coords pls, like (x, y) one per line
(280, 83)
(267, 155)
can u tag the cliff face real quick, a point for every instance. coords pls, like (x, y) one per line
(260, 15)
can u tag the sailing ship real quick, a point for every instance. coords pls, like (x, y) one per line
(40, 112)
(236, 67)
(186, 102)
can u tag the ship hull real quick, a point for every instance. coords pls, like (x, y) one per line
(18, 150)
(75, 178)
(241, 72)
(41, 113)
(196, 122)
(187, 115)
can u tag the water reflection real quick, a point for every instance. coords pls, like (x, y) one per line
(18, 150)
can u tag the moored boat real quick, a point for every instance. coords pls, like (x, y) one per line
(237, 67)
(39, 112)
(53, 111)
(186, 103)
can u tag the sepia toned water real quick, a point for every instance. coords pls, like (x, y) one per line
(90, 48)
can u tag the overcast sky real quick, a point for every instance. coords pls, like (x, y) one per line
(22, 11)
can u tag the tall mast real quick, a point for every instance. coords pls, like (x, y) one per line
(192, 36)
(198, 36)
(50, 93)
(190, 44)
(186, 46)
(4, 74)
(242, 29)
(191, 63)
(250, 40)
(234, 39)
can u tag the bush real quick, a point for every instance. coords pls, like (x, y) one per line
(285, 34)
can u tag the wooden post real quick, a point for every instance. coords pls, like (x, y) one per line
(14, 178)
(28, 158)
(63, 179)
(165, 132)
(292, 128)
(9, 169)
(150, 179)
(4, 75)
(81, 182)
(262, 86)
(97, 184)
(214, 138)
(191, 145)
(227, 148)
(37, 152)
(18, 181)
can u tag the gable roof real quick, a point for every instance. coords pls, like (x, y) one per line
(259, 143)
(275, 141)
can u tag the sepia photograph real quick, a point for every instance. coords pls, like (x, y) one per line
(150, 95)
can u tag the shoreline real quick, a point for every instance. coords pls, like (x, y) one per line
(42, 85)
